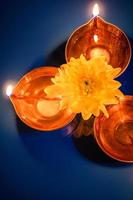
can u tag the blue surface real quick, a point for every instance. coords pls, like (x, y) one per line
(50, 166)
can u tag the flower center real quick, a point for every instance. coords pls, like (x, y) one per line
(87, 87)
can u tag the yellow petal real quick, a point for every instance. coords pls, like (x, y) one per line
(109, 98)
(53, 91)
(114, 84)
(96, 111)
(104, 110)
(86, 115)
(66, 102)
(76, 106)
(115, 72)
(119, 94)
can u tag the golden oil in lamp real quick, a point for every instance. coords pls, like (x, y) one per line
(32, 105)
(98, 37)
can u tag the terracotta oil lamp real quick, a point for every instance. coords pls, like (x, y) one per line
(98, 37)
(32, 105)
(115, 134)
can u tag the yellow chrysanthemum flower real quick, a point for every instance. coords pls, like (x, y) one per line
(86, 86)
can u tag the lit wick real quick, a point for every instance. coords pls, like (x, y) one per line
(95, 10)
(9, 90)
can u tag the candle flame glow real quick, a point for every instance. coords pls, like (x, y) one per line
(95, 10)
(95, 37)
(9, 90)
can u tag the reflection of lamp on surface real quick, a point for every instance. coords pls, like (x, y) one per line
(99, 51)
(98, 37)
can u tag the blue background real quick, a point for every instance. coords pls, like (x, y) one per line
(52, 166)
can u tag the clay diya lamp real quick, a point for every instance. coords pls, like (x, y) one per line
(32, 105)
(114, 135)
(98, 37)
